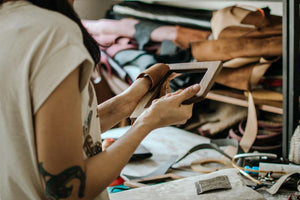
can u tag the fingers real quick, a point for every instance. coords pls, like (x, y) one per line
(172, 94)
(182, 95)
(188, 93)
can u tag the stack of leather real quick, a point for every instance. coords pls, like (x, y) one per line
(195, 18)
(127, 44)
(247, 41)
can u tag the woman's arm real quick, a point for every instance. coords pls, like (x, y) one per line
(58, 130)
(121, 106)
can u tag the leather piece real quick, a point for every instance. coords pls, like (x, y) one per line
(167, 48)
(244, 73)
(296, 176)
(228, 16)
(120, 44)
(220, 117)
(267, 95)
(270, 125)
(294, 155)
(139, 58)
(266, 148)
(143, 30)
(199, 165)
(264, 136)
(259, 70)
(262, 18)
(236, 78)
(184, 36)
(240, 62)
(251, 126)
(243, 21)
(155, 73)
(268, 138)
(216, 183)
(237, 31)
(162, 169)
(166, 14)
(241, 36)
(213, 145)
(225, 49)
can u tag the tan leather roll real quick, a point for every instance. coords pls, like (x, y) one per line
(155, 73)
(240, 31)
(225, 49)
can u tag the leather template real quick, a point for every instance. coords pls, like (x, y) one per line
(160, 74)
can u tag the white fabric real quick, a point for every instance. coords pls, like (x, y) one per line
(39, 49)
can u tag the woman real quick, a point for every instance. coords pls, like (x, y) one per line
(50, 123)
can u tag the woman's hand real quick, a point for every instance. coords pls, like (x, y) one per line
(121, 106)
(169, 110)
(134, 93)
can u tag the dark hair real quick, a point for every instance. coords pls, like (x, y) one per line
(64, 7)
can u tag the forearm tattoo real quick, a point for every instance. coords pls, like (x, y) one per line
(56, 184)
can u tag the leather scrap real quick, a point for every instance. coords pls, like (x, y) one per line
(216, 183)
(294, 155)
(155, 73)
(295, 177)
(228, 16)
(251, 126)
(143, 31)
(229, 48)
(184, 36)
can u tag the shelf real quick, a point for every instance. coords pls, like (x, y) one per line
(240, 100)
(289, 107)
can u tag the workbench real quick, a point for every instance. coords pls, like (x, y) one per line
(166, 142)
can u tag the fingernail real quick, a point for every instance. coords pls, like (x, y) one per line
(195, 87)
